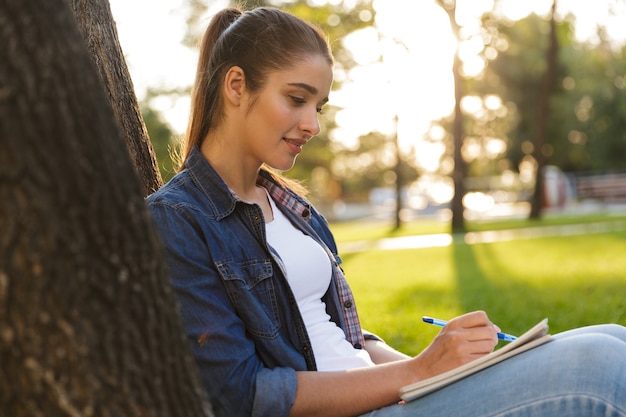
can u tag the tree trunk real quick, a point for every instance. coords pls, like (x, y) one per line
(543, 115)
(399, 177)
(458, 174)
(98, 28)
(89, 325)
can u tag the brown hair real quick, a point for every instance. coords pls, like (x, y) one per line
(259, 41)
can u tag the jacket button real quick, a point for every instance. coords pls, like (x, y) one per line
(347, 304)
(306, 213)
(358, 346)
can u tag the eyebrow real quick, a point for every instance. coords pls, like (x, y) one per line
(308, 88)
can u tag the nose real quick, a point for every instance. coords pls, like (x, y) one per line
(310, 123)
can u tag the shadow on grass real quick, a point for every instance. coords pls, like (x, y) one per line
(515, 306)
(484, 280)
(505, 301)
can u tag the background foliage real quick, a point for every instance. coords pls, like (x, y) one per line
(586, 128)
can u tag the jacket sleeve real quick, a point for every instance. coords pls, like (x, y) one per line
(237, 382)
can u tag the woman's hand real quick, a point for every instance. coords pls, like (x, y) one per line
(357, 391)
(462, 340)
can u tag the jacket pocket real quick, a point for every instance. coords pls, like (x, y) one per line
(251, 289)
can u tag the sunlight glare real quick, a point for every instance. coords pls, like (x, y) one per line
(478, 201)
(406, 72)
(471, 104)
(471, 148)
(441, 189)
(469, 12)
(495, 147)
(436, 132)
(428, 154)
(515, 9)
(492, 102)
(356, 41)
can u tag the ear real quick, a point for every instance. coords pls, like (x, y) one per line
(234, 85)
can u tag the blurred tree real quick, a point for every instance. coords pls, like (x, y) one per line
(585, 127)
(593, 110)
(605, 130)
(514, 75)
(459, 171)
(548, 81)
(89, 323)
(372, 164)
(528, 84)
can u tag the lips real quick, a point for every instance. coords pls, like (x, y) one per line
(295, 144)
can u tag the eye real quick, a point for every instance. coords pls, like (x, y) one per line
(298, 100)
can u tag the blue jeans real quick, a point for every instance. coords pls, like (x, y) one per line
(580, 373)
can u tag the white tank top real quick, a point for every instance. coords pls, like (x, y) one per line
(309, 272)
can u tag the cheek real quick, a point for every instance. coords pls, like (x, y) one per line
(277, 110)
(272, 114)
(280, 114)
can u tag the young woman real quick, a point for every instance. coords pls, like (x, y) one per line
(267, 310)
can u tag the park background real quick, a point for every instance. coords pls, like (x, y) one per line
(389, 127)
(90, 324)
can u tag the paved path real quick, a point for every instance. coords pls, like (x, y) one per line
(444, 239)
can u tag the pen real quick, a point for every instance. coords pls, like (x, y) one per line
(441, 323)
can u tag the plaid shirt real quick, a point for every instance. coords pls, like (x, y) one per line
(297, 205)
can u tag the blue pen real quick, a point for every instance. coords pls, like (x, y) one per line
(441, 323)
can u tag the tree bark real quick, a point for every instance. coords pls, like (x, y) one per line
(543, 115)
(96, 23)
(89, 325)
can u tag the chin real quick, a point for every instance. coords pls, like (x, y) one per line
(284, 166)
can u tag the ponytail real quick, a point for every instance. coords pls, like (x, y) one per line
(204, 94)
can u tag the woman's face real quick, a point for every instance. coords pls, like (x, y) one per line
(283, 115)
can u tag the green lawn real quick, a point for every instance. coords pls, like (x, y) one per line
(571, 280)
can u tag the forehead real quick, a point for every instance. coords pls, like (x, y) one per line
(313, 74)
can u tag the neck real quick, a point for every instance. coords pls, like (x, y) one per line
(231, 165)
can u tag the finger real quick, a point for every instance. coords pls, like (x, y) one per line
(462, 338)
(471, 320)
(487, 333)
(478, 319)
(481, 348)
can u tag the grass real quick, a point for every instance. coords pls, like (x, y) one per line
(572, 280)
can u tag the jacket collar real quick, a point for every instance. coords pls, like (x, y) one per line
(220, 200)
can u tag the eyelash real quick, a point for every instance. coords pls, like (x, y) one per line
(299, 101)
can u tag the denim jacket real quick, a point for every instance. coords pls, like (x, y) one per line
(239, 313)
